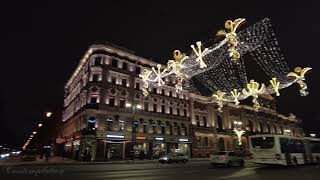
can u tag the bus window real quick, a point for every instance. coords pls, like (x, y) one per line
(291, 145)
(262, 142)
(315, 146)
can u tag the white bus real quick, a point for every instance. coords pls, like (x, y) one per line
(284, 150)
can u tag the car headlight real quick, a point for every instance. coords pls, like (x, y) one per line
(165, 158)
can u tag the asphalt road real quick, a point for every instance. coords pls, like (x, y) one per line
(194, 171)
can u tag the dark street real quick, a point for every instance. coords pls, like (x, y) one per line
(167, 171)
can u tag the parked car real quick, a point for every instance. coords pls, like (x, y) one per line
(228, 158)
(170, 158)
(29, 155)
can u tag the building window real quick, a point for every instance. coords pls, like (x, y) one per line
(170, 110)
(204, 118)
(114, 63)
(146, 106)
(137, 86)
(113, 80)
(250, 126)
(220, 123)
(170, 93)
(163, 109)
(124, 82)
(185, 112)
(178, 130)
(111, 101)
(92, 123)
(122, 103)
(206, 141)
(261, 126)
(109, 124)
(124, 66)
(198, 120)
(199, 141)
(154, 107)
(145, 127)
(138, 70)
(97, 61)
(162, 91)
(178, 112)
(94, 99)
(154, 90)
(121, 125)
(95, 77)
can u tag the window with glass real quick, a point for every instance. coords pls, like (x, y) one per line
(97, 60)
(170, 110)
(95, 77)
(163, 109)
(178, 112)
(262, 142)
(124, 82)
(146, 106)
(122, 102)
(114, 63)
(113, 80)
(138, 70)
(124, 66)
(93, 99)
(121, 125)
(137, 86)
(198, 120)
(111, 101)
(204, 119)
(109, 124)
(154, 107)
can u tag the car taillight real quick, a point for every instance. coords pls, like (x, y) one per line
(278, 157)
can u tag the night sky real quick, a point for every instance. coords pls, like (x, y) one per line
(42, 44)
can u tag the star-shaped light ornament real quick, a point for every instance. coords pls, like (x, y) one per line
(200, 54)
(275, 85)
(298, 74)
(159, 74)
(235, 94)
(231, 35)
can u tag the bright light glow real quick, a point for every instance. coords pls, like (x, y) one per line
(183, 140)
(48, 114)
(159, 138)
(313, 135)
(115, 136)
(128, 105)
(39, 125)
(31, 135)
(34, 132)
(139, 106)
(287, 130)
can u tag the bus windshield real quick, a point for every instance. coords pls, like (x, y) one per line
(262, 142)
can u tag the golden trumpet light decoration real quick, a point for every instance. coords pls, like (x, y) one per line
(219, 97)
(254, 89)
(145, 77)
(231, 35)
(176, 66)
(298, 74)
(239, 133)
(275, 85)
(235, 94)
(159, 74)
(200, 54)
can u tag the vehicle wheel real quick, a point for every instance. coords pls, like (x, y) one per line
(241, 163)
(294, 162)
(184, 161)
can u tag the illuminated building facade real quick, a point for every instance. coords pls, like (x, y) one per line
(106, 115)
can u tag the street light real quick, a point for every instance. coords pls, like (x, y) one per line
(39, 125)
(48, 114)
(34, 132)
(313, 135)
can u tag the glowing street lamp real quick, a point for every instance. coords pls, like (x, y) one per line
(238, 131)
(34, 132)
(39, 125)
(48, 114)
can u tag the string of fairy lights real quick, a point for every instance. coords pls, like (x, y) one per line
(221, 67)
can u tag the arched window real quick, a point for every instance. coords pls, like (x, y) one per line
(92, 122)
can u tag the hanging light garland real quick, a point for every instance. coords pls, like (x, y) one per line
(212, 68)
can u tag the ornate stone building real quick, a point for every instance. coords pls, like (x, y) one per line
(106, 115)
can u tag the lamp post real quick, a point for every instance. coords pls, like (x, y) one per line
(238, 131)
